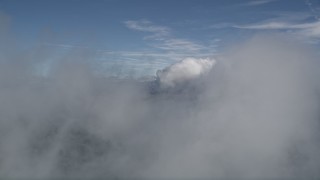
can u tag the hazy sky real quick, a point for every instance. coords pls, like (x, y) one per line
(150, 34)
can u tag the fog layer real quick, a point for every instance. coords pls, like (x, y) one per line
(253, 111)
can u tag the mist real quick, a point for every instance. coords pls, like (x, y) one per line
(250, 112)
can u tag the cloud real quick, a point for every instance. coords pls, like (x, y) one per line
(163, 38)
(143, 63)
(166, 48)
(309, 30)
(269, 25)
(147, 26)
(251, 113)
(280, 25)
(258, 2)
(313, 9)
(65, 46)
(184, 71)
(180, 44)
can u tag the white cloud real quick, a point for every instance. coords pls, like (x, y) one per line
(183, 71)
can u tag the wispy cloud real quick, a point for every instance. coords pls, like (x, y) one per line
(297, 23)
(311, 29)
(314, 10)
(277, 25)
(147, 26)
(65, 46)
(180, 44)
(162, 37)
(258, 2)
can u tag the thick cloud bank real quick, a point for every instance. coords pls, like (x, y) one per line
(254, 113)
